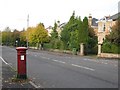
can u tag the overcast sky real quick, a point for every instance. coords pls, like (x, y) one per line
(14, 12)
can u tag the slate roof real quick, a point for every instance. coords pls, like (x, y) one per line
(114, 17)
(94, 22)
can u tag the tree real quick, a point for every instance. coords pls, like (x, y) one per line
(23, 38)
(67, 29)
(112, 42)
(114, 36)
(74, 40)
(85, 30)
(55, 41)
(40, 35)
(65, 37)
(29, 35)
(16, 37)
(7, 36)
(76, 32)
(54, 33)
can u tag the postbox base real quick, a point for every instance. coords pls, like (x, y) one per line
(21, 76)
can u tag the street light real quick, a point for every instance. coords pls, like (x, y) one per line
(27, 28)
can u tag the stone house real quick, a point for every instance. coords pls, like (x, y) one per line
(105, 26)
(59, 28)
(92, 23)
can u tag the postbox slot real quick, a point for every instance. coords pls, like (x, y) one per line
(22, 57)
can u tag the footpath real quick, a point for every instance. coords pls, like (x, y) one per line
(9, 80)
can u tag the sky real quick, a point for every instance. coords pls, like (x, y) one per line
(14, 12)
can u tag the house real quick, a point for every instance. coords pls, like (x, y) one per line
(49, 30)
(105, 26)
(92, 23)
(58, 29)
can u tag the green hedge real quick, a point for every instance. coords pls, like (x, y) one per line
(108, 47)
(56, 44)
(91, 50)
(47, 46)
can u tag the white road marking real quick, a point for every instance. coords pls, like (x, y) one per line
(105, 63)
(94, 61)
(9, 64)
(59, 61)
(90, 60)
(44, 57)
(33, 84)
(83, 67)
(55, 60)
(3, 60)
(29, 81)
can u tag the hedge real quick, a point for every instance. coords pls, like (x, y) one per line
(108, 47)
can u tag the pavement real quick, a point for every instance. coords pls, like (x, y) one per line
(9, 77)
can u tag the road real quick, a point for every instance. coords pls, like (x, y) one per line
(57, 70)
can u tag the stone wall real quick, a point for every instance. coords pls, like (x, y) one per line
(109, 55)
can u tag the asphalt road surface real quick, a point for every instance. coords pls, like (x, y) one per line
(57, 70)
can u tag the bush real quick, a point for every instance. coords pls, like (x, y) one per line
(90, 50)
(47, 45)
(54, 44)
(91, 46)
(108, 47)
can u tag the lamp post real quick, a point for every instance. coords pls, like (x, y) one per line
(27, 28)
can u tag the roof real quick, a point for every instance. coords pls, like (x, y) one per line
(94, 22)
(61, 25)
(114, 17)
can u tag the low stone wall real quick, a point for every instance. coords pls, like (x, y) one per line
(61, 51)
(33, 47)
(109, 55)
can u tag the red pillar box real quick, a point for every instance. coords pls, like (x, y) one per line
(21, 63)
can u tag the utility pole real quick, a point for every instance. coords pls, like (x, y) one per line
(27, 28)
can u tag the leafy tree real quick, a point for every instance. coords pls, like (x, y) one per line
(85, 31)
(23, 38)
(11, 38)
(16, 37)
(65, 37)
(55, 42)
(112, 42)
(67, 29)
(7, 36)
(40, 35)
(76, 32)
(114, 36)
(74, 40)
(54, 33)
(29, 35)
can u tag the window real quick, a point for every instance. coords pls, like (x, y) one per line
(104, 28)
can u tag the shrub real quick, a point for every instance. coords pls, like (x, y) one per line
(108, 47)
(47, 46)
